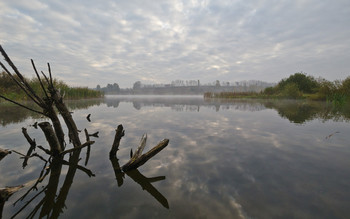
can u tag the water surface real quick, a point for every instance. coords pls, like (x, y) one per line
(226, 159)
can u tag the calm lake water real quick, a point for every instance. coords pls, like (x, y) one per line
(238, 159)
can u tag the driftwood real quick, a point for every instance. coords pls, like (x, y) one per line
(51, 138)
(140, 179)
(5, 194)
(52, 98)
(119, 133)
(137, 159)
(4, 153)
(51, 105)
(55, 135)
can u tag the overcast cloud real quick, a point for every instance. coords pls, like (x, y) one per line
(98, 42)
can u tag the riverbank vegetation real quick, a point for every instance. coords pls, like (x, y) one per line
(11, 90)
(298, 86)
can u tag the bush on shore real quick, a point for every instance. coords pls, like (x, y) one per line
(299, 86)
(10, 89)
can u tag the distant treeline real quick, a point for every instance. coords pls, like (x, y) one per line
(296, 111)
(180, 87)
(298, 86)
(11, 90)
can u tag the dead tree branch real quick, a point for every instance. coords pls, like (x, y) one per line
(51, 138)
(137, 161)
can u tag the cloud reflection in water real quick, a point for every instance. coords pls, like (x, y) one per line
(236, 159)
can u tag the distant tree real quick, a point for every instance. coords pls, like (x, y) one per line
(98, 87)
(137, 85)
(345, 87)
(306, 84)
(111, 88)
(116, 87)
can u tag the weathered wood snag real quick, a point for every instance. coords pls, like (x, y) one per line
(51, 138)
(52, 98)
(4, 153)
(55, 135)
(5, 194)
(137, 159)
(51, 105)
(119, 133)
(140, 179)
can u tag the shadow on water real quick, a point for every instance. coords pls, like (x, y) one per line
(50, 202)
(140, 179)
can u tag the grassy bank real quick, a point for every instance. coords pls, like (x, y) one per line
(10, 89)
(298, 86)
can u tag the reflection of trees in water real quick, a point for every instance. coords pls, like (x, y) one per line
(190, 108)
(294, 111)
(184, 103)
(10, 113)
(83, 104)
(303, 111)
(52, 204)
(49, 201)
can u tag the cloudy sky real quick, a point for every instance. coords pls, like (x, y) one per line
(98, 42)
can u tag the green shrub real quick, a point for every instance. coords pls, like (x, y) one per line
(270, 91)
(292, 91)
(305, 84)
